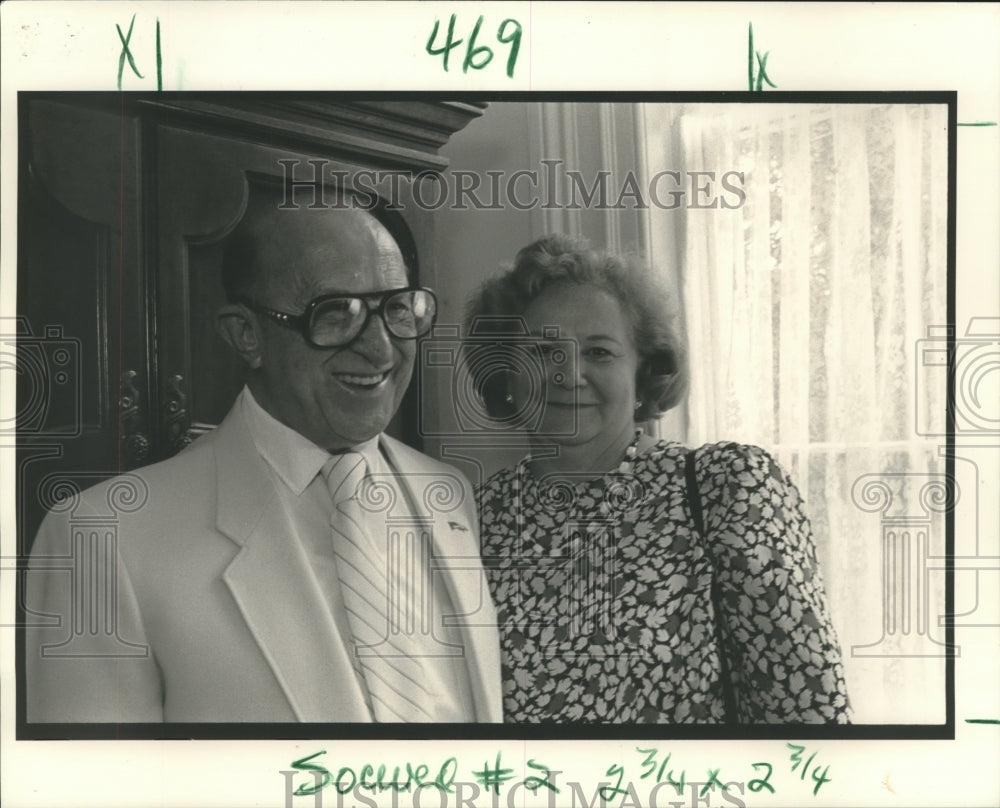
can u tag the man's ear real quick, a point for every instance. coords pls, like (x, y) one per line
(239, 327)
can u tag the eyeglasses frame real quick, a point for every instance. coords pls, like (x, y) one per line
(300, 322)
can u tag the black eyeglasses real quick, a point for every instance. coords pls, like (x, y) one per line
(332, 321)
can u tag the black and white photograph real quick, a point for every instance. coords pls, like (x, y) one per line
(526, 403)
(349, 409)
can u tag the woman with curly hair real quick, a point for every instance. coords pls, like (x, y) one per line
(635, 580)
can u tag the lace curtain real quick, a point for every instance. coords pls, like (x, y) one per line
(805, 308)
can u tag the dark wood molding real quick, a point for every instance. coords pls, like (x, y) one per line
(398, 135)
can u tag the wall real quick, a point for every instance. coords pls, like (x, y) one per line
(470, 245)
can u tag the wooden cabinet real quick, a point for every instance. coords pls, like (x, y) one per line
(124, 204)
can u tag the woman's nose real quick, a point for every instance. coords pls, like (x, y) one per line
(565, 368)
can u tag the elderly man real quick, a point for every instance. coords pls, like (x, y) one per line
(296, 564)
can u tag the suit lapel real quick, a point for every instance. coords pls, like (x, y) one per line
(456, 554)
(275, 590)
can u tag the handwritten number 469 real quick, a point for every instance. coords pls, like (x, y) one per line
(477, 56)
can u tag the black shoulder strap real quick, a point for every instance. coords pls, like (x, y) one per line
(693, 497)
(694, 503)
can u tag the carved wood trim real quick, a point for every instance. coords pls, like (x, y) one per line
(134, 443)
(176, 421)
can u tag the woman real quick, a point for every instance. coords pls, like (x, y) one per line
(635, 581)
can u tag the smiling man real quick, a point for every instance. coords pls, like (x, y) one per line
(296, 564)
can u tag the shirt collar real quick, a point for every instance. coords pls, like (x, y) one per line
(294, 458)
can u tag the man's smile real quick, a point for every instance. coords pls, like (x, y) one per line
(362, 381)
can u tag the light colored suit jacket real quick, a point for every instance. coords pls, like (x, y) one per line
(179, 593)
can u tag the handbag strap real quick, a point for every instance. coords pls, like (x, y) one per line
(694, 498)
(694, 504)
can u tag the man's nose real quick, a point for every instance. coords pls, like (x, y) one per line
(374, 341)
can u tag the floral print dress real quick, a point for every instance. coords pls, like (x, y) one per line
(605, 601)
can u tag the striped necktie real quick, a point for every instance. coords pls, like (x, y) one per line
(389, 661)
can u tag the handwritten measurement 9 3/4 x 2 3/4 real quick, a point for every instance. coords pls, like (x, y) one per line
(655, 769)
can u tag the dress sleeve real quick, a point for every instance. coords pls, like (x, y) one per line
(784, 658)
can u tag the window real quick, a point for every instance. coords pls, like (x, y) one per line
(805, 309)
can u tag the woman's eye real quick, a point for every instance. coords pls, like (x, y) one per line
(596, 352)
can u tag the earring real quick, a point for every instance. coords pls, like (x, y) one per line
(637, 404)
(509, 398)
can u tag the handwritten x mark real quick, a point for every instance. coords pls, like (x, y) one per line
(126, 53)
